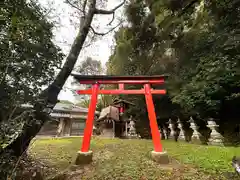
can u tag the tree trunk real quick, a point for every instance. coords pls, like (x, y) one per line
(48, 98)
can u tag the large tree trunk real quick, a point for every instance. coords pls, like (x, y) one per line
(48, 97)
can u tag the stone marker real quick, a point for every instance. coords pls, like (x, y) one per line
(161, 133)
(182, 132)
(84, 158)
(165, 132)
(160, 157)
(196, 136)
(172, 131)
(215, 137)
(132, 130)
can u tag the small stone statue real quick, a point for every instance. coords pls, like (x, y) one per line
(181, 133)
(161, 133)
(215, 137)
(172, 131)
(132, 129)
(236, 164)
(165, 132)
(196, 136)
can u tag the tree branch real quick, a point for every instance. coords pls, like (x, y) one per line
(74, 6)
(113, 17)
(13, 111)
(106, 12)
(169, 19)
(90, 43)
(102, 34)
(84, 7)
(21, 115)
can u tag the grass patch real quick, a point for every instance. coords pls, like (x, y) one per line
(129, 159)
(208, 158)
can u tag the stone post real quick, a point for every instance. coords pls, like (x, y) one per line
(161, 133)
(132, 130)
(182, 132)
(165, 132)
(126, 128)
(196, 136)
(113, 122)
(215, 137)
(172, 131)
(68, 126)
(61, 127)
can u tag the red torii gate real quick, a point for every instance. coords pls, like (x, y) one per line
(85, 156)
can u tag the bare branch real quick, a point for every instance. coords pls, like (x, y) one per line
(13, 111)
(90, 43)
(21, 115)
(74, 6)
(84, 6)
(5, 74)
(48, 12)
(102, 11)
(96, 33)
(113, 17)
(102, 34)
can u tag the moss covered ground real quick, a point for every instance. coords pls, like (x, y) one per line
(130, 159)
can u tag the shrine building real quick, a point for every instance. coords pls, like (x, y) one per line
(67, 120)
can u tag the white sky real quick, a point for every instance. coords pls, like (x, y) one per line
(65, 34)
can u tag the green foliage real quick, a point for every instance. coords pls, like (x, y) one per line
(93, 67)
(195, 42)
(84, 103)
(103, 101)
(28, 60)
(28, 56)
(90, 67)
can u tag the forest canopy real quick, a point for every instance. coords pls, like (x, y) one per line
(196, 43)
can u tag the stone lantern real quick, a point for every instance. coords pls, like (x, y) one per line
(182, 132)
(215, 137)
(171, 127)
(196, 136)
(132, 130)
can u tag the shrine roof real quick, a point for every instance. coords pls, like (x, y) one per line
(114, 77)
(69, 107)
(62, 107)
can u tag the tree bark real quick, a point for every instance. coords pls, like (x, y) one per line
(48, 98)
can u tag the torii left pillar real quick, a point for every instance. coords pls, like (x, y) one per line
(85, 155)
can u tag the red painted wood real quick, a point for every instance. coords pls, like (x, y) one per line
(119, 91)
(121, 109)
(152, 118)
(121, 81)
(89, 123)
(121, 86)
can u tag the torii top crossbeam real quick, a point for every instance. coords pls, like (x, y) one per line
(97, 80)
(120, 80)
(106, 79)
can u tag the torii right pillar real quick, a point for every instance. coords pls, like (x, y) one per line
(157, 154)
